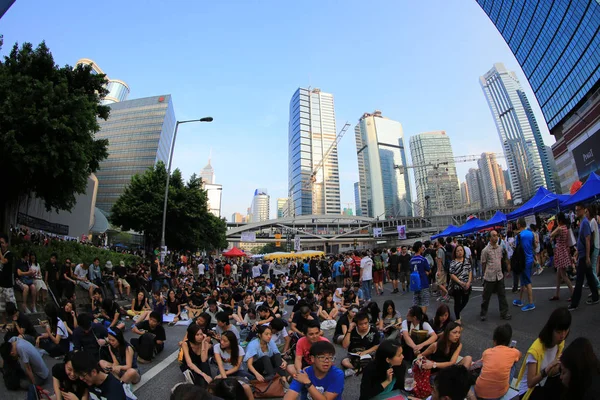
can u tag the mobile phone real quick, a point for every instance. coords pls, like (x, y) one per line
(513, 343)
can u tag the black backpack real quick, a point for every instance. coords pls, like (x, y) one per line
(517, 261)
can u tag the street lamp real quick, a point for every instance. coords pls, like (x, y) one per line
(164, 221)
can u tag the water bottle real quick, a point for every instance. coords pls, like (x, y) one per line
(409, 381)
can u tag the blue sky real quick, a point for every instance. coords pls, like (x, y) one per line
(241, 61)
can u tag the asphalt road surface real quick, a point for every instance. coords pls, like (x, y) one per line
(159, 377)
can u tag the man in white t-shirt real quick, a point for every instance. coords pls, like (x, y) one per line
(234, 271)
(201, 269)
(366, 275)
(256, 270)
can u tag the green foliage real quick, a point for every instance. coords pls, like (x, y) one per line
(48, 118)
(190, 226)
(75, 251)
(266, 249)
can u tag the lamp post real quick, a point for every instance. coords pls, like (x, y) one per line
(164, 220)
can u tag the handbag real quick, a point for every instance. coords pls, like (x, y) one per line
(571, 238)
(268, 389)
(422, 377)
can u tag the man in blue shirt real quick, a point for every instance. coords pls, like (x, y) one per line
(526, 239)
(584, 262)
(322, 380)
(418, 262)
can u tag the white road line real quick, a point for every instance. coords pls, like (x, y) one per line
(156, 369)
(480, 289)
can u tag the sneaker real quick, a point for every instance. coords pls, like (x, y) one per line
(571, 308)
(189, 378)
(591, 302)
(128, 393)
(517, 303)
(528, 307)
(349, 372)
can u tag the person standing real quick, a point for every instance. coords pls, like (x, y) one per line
(460, 280)
(591, 214)
(404, 276)
(421, 265)
(493, 278)
(366, 275)
(527, 241)
(584, 261)
(394, 267)
(562, 255)
(440, 275)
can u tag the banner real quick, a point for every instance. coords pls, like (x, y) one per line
(249, 237)
(297, 243)
(278, 240)
(402, 232)
(377, 232)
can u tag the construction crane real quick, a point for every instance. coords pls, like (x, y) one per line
(313, 176)
(445, 161)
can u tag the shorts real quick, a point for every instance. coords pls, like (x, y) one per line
(394, 275)
(441, 279)
(404, 276)
(526, 275)
(421, 298)
(6, 295)
(20, 285)
(40, 285)
(378, 276)
(85, 284)
(123, 282)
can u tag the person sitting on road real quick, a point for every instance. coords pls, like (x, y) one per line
(230, 389)
(223, 324)
(342, 325)
(152, 337)
(123, 360)
(361, 340)
(390, 322)
(442, 319)
(194, 364)
(280, 336)
(445, 351)
(580, 370)
(416, 332)
(22, 324)
(301, 318)
(327, 308)
(452, 383)
(101, 385)
(111, 315)
(89, 336)
(322, 380)
(66, 383)
(385, 373)
(55, 339)
(312, 335)
(263, 357)
(229, 356)
(139, 306)
(18, 353)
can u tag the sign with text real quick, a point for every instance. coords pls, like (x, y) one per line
(278, 240)
(249, 237)
(402, 232)
(587, 155)
(297, 246)
(377, 232)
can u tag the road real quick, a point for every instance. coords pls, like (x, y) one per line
(160, 376)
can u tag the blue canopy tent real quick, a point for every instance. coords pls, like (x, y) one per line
(542, 201)
(499, 219)
(470, 226)
(449, 231)
(589, 191)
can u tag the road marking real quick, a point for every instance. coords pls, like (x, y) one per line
(155, 370)
(480, 289)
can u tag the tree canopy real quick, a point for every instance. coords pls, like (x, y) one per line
(48, 118)
(190, 225)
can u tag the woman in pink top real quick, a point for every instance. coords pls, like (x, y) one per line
(562, 255)
(493, 382)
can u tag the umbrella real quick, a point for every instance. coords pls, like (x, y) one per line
(235, 252)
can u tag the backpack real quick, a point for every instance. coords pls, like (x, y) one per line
(517, 261)
(377, 263)
(448, 259)
(415, 281)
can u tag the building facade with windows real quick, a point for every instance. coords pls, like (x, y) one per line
(139, 133)
(519, 133)
(117, 89)
(282, 207)
(260, 206)
(493, 189)
(557, 45)
(384, 182)
(436, 181)
(312, 132)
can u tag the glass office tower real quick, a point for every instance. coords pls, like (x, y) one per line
(385, 188)
(140, 133)
(117, 89)
(438, 191)
(311, 133)
(557, 43)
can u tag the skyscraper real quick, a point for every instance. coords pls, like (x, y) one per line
(208, 173)
(438, 191)
(473, 180)
(117, 89)
(519, 133)
(493, 189)
(140, 133)
(214, 192)
(385, 189)
(312, 133)
(260, 205)
(464, 193)
(282, 207)
(357, 198)
(556, 43)
(237, 217)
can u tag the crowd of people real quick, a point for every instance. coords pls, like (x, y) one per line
(250, 324)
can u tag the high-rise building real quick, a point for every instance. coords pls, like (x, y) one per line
(237, 217)
(214, 192)
(282, 207)
(260, 205)
(507, 180)
(117, 89)
(493, 189)
(139, 133)
(312, 133)
(357, 197)
(519, 133)
(384, 184)
(473, 180)
(464, 193)
(208, 173)
(438, 191)
(556, 43)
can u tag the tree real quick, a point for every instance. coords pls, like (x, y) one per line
(48, 118)
(190, 226)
